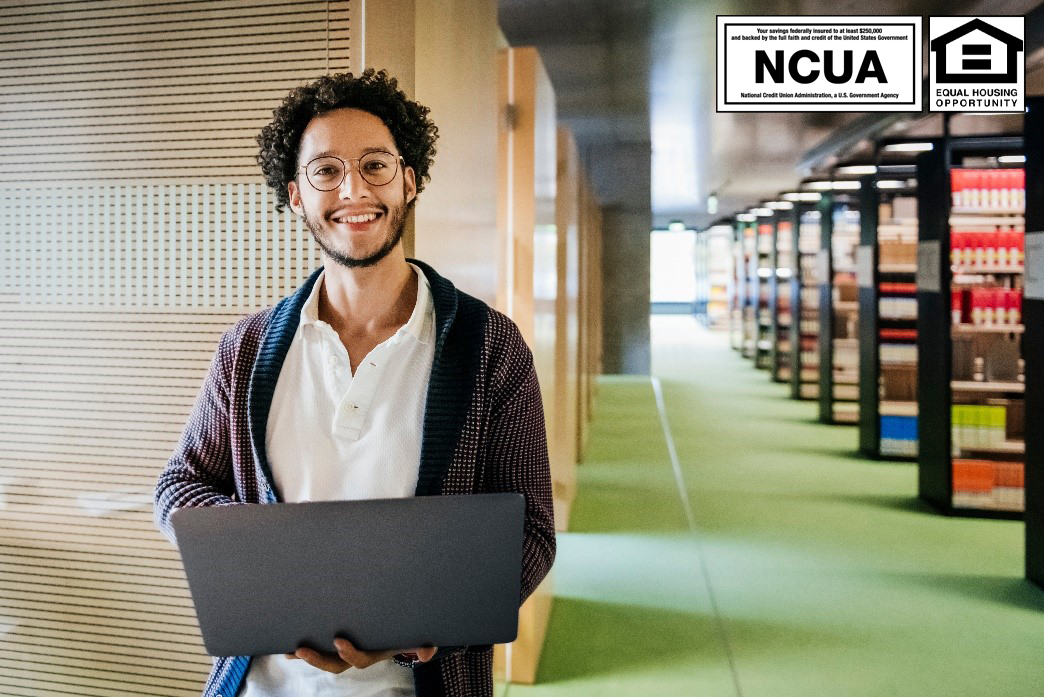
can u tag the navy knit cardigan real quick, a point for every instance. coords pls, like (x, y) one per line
(483, 432)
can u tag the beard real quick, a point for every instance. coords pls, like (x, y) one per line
(396, 223)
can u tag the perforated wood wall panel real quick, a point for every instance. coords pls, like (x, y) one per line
(134, 229)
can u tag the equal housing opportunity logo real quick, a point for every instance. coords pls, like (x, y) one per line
(977, 64)
(818, 63)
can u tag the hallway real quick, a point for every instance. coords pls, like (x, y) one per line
(769, 559)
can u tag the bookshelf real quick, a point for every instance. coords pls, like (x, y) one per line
(748, 240)
(838, 310)
(804, 293)
(717, 240)
(971, 374)
(887, 261)
(736, 291)
(782, 265)
(764, 282)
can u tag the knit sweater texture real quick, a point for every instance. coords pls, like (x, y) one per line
(483, 432)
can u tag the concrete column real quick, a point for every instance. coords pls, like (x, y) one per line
(626, 228)
(625, 308)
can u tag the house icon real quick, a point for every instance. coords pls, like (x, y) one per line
(965, 55)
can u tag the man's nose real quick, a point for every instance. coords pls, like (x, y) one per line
(353, 186)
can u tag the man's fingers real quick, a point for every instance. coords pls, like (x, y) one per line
(331, 664)
(426, 654)
(358, 658)
(349, 654)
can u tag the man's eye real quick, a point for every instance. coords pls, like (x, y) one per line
(325, 171)
(375, 166)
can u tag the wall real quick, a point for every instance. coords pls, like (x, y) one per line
(134, 229)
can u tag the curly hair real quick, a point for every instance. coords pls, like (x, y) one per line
(373, 91)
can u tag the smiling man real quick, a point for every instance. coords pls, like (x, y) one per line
(377, 378)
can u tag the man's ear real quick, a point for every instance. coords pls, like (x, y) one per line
(295, 197)
(409, 184)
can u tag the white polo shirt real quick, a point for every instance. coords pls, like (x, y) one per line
(334, 436)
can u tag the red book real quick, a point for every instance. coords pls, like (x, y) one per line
(976, 305)
(957, 187)
(898, 334)
(993, 187)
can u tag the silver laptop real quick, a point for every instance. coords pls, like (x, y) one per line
(384, 574)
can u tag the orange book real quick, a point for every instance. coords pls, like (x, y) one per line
(974, 476)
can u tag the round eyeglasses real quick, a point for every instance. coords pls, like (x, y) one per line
(327, 172)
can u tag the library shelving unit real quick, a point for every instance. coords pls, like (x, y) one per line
(700, 267)
(748, 238)
(763, 280)
(887, 270)
(1033, 338)
(971, 378)
(737, 293)
(838, 309)
(717, 240)
(804, 293)
(782, 264)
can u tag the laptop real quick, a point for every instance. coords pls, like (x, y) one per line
(384, 574)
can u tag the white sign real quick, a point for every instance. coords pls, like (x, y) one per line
(1033, 279)
(865, 266)
(929, 266)
(977, 64)
(820, 63)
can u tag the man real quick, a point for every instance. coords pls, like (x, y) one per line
(377, 378)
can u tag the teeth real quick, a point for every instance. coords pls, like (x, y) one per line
(357, 218)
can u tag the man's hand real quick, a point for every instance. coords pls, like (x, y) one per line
(348, 656)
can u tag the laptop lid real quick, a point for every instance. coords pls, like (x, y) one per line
(384, 574)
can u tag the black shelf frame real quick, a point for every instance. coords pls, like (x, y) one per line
(799, 267)
(869, 324)
(870, 321)
(934, 337)
(1033, 347)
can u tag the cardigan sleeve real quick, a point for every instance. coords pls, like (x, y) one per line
(199, 473)
(517, 455)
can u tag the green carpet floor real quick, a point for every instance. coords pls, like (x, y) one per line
(804, 569)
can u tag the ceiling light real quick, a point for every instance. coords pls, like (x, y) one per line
(746, 217)
(762, 212)
(891, 184)
(908, 147)
(780, 205)
(801, 196)
(857, 169)
(1011, 159)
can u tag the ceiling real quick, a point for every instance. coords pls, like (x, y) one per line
(634, 77)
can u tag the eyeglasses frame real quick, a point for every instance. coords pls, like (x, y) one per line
(400, 163)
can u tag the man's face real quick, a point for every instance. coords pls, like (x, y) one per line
(356, 224)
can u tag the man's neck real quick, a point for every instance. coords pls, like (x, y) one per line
(375, 299)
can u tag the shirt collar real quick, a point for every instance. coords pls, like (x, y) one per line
(421, 322)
